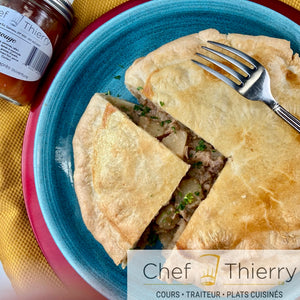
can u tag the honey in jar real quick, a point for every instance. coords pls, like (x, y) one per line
(30, 30)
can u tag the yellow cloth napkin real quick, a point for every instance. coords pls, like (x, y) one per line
(293, 3)
(20, 254)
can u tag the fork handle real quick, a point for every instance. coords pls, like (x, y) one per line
(287, 116)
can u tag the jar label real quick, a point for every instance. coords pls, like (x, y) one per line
(25, 49)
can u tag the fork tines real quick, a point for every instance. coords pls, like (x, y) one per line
(241, 78)
(254, 84)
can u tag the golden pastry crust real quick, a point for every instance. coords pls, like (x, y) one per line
(255, 202)
(122, 176)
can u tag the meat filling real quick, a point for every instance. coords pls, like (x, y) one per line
(206, 163)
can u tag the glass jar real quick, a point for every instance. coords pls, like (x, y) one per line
(30, 30)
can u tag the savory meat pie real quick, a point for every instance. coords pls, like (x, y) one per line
(143, 170)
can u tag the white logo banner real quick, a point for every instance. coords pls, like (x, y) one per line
(215, 274)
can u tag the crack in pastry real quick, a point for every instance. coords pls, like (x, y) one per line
(139, 174)
(205, 161)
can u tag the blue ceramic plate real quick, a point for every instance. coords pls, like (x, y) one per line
(92, 67)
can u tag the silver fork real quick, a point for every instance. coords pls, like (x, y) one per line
(254, 86)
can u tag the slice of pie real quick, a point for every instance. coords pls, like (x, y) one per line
(122, 178)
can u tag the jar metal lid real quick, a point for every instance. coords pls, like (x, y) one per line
(63, 7)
